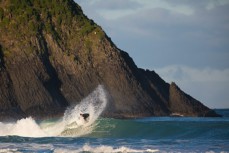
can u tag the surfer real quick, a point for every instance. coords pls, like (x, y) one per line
(85, 116)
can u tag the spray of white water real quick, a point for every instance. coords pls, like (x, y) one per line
(71, 124)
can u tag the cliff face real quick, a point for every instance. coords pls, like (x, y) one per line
(52, 56)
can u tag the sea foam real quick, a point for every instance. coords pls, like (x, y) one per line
(104, 149)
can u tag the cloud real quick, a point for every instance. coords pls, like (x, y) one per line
(200, 37)
(210, 86)
(203, 4)
(117, 4)
(184, 73)
(163, 4)
(110, 9)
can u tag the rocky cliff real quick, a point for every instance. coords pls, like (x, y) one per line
(52, 56)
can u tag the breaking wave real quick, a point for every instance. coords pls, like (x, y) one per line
(104, 149)
(85, 148)
(71, 124)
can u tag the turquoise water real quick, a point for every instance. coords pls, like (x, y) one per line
(72, 134)
(156, 134)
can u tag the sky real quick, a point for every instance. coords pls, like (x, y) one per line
(185, 41)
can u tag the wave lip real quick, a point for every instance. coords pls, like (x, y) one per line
(94, 105)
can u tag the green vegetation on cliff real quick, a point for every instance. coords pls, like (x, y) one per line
(59, 18)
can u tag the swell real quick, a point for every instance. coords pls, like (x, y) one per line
(187, 128)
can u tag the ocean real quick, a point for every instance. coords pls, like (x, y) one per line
(72, 134)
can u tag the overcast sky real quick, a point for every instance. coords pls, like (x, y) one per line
(186, 41)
